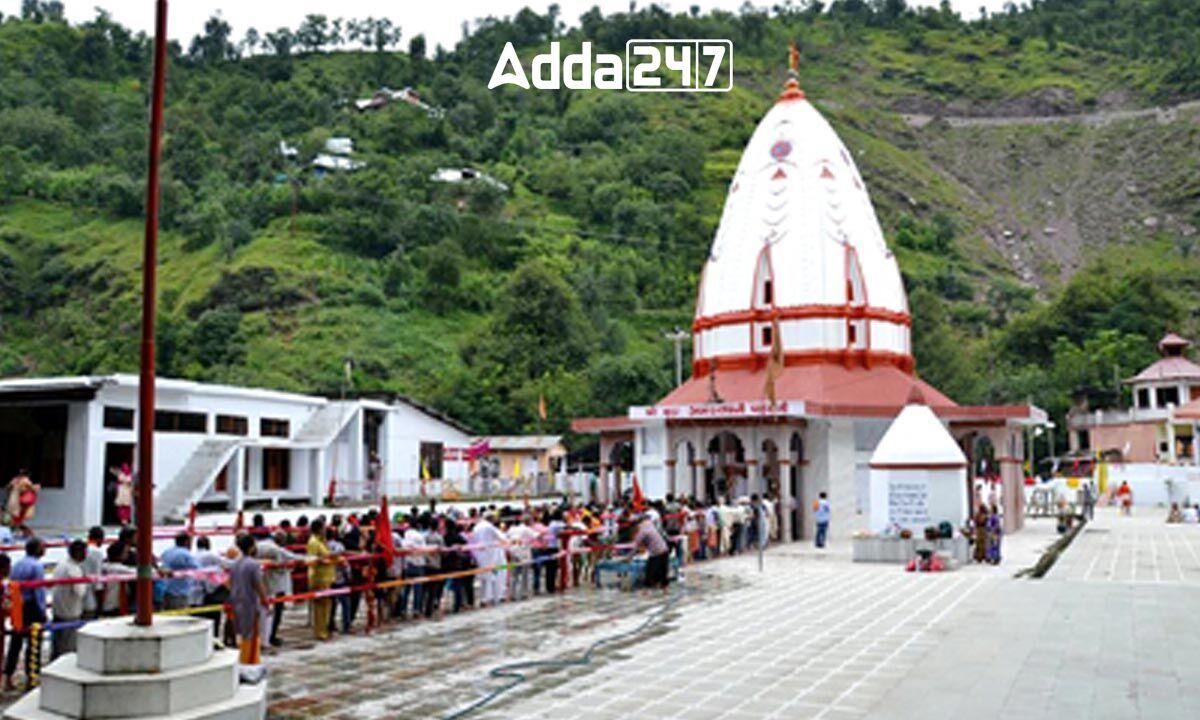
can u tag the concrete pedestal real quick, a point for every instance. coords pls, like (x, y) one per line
(168, 670)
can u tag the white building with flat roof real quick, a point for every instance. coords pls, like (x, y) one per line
(217, 445)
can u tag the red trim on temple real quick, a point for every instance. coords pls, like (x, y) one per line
(802, 312)
(585, 426)
(846, 357)
(791, 91)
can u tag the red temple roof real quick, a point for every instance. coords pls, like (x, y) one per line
(825, 388)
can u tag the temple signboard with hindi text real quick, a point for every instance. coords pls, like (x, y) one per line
(701, 411)
(908, 502)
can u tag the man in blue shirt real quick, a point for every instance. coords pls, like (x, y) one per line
(821, 513)
(33, 605)
(178, 590)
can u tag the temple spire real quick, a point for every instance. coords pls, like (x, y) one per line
(791, 88)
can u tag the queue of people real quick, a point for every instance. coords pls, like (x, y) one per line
(430, 563)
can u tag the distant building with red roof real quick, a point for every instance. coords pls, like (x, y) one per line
(802, 354)
(1161, 424)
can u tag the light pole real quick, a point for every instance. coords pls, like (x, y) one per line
(678, 336)
(145, 486)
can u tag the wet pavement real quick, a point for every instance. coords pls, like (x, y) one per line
(430, 668)
(813, 635)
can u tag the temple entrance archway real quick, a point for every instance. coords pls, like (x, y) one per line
(726, 465)
(984, 471)
(620, 462)
(799, 497)
(768, 461)
(683, 469)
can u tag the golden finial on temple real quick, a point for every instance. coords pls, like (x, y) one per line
(791, 89)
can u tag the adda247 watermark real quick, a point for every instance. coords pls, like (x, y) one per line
(648, 66)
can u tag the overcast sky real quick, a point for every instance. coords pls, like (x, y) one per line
(441, 22)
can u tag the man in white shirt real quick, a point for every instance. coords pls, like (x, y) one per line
(520, 553)
(68, 599)
(93, 566)
(489, 552)
(413, 542)
(278, 579)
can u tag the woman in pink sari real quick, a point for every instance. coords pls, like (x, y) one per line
(22, 502)
(124, 494)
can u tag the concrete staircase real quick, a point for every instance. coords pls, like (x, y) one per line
(167, 670)
(192, 481)
(326, 423)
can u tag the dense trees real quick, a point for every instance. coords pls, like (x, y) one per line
(484, 299)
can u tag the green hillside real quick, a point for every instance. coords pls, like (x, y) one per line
(1039, 257)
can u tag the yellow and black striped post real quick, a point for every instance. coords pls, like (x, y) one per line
(34, 659)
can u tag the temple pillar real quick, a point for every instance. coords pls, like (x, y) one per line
(785, 499)
(753, 476)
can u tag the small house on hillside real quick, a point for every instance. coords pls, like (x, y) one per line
(336, 157)
(386, 96)
(466, 175)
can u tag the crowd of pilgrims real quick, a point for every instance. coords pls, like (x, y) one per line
(536, 549)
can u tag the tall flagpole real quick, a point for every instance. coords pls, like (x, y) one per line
(145, 485)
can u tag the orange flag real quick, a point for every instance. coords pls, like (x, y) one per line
(542, 407)
(775, 362)
(16, 609)
(639, 500)
(383, 532)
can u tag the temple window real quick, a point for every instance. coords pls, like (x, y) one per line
(767, 336)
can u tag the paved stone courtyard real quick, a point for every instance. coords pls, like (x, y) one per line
(813, 636)
(1109, 633)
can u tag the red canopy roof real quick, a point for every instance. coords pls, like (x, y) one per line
(825, 388)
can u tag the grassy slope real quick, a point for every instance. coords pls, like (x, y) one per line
(854, 82)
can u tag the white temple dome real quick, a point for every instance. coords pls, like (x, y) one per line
(799, 253)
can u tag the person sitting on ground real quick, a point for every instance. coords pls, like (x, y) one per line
(1125, 498)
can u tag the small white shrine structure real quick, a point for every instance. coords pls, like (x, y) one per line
(918, 472)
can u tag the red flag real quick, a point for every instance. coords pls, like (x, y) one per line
(192, 519)
(332, 491)
(240, 522)
(639, 500)
(383, 532)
